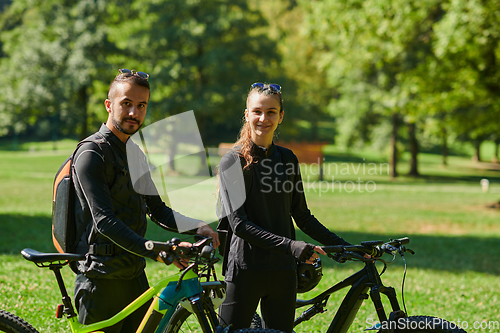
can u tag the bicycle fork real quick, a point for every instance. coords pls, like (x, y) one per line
(198, 309)
(191, 298)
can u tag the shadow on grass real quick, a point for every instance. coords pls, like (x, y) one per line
(454, 253)
(343, 162)
(436, 179)
(18, 232)
(450, 179)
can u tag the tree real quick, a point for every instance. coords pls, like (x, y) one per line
(202, 56)
(56, 50)
(305, 89)
(467, 48)
(370, 51)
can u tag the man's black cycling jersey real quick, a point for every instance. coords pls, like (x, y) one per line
(262, 227)
(116, 214)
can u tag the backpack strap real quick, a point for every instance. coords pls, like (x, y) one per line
(110, 168)
(109, 155)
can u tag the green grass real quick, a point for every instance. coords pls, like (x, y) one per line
(454, 273)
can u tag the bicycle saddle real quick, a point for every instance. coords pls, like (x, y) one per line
(39, 257)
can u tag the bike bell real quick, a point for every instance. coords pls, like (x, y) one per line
(308, 275)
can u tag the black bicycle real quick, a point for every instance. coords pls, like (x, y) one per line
(367, 284)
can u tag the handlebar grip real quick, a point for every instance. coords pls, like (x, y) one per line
(404, 240)
(149, 245)
(157, 246)
(400, 241)
(333, 248)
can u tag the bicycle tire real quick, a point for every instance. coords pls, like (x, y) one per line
(422, 324)
(10, 323)
(183, 321)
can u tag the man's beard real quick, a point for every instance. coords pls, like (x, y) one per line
(118, 125)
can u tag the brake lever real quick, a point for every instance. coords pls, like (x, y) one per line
(390, 249)
(182, 251)
(167, 258)
(404, 249)
(358, 256)
(338, 257)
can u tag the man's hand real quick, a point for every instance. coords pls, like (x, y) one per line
(205, 230)
(181, 263)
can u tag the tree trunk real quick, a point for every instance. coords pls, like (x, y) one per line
(444, 146)
(477, 148)
(83, 101)
(314, 130)
(394, 149)
(413, 150)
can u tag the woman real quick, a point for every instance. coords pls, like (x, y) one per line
(260, 264)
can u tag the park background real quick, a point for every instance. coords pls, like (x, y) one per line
(409, 84)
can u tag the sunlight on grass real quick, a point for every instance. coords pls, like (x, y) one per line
(454, 273)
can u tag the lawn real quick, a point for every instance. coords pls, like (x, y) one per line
(454, 273)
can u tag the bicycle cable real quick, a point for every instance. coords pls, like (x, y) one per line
(403, 283)
(386, 263)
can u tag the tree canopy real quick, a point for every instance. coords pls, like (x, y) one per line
(389, 74)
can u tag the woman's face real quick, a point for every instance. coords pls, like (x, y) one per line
(263, 114)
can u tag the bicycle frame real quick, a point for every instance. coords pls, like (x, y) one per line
(366, 279)
(165, 299)
(166, 295)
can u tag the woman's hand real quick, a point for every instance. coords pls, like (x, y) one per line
(205, 230)
(317, 249)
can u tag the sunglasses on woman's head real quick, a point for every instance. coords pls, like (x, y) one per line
(273, 86)
(129, 72)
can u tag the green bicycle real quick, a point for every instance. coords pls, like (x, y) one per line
(174, 298)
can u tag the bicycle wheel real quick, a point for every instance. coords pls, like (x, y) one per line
(417, 324)
(10, 323)
(183, 321)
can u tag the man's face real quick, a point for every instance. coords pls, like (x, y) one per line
(128, 107)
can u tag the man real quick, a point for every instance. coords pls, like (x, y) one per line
(113, 275)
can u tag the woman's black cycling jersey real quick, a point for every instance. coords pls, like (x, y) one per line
(262, 227)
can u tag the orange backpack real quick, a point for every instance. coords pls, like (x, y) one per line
(65, 232)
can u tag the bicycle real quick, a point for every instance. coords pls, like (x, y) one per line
(368, 279)
(172, 297)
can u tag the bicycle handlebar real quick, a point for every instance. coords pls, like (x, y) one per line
(374, 248)
(171, 250)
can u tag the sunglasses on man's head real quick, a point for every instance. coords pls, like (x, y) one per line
(129, 72)
(273, 86)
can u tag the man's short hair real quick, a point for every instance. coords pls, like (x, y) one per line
(131, 78)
